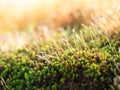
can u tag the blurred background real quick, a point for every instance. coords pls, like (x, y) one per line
(17, 15)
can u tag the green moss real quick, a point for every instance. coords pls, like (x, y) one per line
(68, 64)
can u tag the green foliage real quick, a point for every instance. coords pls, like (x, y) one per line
(75, 64)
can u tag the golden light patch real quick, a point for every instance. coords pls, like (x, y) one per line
(18, 14)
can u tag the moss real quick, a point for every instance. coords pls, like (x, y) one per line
(73, 64)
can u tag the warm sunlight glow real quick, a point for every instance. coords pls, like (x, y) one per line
(19, 14)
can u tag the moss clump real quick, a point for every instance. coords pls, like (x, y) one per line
(71, 64)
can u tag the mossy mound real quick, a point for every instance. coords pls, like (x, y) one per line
(76, 63)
